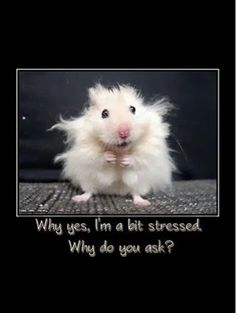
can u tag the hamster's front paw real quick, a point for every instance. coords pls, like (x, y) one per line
(110, 157)
(125, 160)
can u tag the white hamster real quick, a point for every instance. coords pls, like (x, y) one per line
(118, 145)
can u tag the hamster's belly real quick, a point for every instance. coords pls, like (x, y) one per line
(122, 181)
(116, 185)
(114, 180)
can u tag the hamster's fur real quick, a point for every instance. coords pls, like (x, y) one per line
(118, 145)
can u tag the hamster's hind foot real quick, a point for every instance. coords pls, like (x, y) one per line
(140, 202)
(82, 198)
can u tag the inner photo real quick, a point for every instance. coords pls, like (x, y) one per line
(117, 142)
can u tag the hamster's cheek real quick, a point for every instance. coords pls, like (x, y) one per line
(106, 138)
(103, 128)
(136, 133)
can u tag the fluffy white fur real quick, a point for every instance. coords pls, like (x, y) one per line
(95, 162)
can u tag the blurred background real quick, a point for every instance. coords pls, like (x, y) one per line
(44, 95)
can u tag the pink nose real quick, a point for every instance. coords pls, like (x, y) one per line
(123, 131)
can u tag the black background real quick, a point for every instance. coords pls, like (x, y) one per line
(200, 274)
(44, 95)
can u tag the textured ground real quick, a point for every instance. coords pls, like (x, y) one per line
(187, 197)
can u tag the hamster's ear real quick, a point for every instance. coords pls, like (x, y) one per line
(94, 93)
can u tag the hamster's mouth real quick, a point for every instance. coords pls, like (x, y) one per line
(123, 144)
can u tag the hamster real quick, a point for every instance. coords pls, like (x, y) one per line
(118, 145)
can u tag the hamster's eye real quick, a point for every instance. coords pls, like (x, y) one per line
(132, 109)
(105, 113)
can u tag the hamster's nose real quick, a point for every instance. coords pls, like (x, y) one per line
(123, 131)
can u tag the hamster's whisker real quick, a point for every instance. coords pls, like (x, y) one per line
(181, 148)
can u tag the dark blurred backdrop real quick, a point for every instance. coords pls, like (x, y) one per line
(44, 95)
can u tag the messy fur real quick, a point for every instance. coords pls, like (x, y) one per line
(90, 136)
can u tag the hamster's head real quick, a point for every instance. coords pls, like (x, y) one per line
(117, 115)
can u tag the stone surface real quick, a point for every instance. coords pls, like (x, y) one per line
(186, 198)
